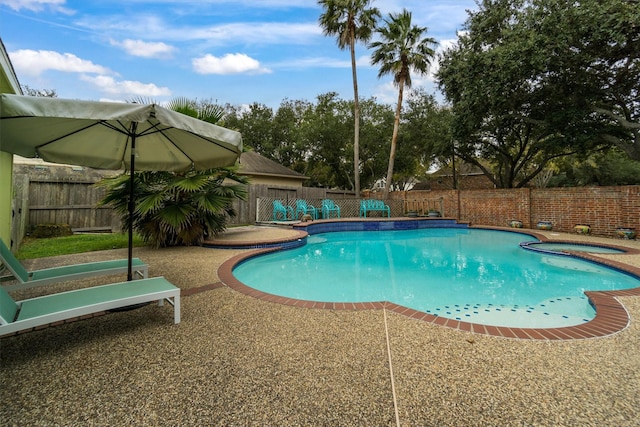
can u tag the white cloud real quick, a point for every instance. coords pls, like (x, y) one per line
(35, 62)
(443, 14)
(259, 33)
(109, 85)
(145, 49)
(442, 47)
(147, 26)
(325, 62)
(449, 43)
(314, 62)
(387, 92)
(306, 4)
(231, 63)
(38, 5)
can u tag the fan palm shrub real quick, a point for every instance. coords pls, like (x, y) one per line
(174, 209)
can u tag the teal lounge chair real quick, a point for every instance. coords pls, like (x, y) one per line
(280, 210)
(30, 313)
(328, 208)
(302, 208)
(47, 276)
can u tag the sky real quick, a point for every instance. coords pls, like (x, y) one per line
(226, 51)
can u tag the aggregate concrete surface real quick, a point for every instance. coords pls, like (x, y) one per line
(238, 361)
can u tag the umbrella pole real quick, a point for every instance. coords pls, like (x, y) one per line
(131, 203)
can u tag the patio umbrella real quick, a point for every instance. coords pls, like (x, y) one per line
(111, 135)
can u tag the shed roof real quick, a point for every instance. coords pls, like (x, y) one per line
(252, 163)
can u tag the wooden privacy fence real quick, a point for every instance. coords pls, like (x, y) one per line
(55, 201)
(74, 203)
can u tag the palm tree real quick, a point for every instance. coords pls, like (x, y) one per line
(350, 21)
(401, 48)
(206, 111)
(173, 208)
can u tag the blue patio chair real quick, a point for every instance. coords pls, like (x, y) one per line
(302, 208)
(328, 206)
(281, 211)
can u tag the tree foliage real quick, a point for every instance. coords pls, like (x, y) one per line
(427, 131)
(612, 167)
(288, 124)
(205, 110)
(531, 81)
(173, 209)
(48, 93)
(377, 121)
(327, 137)
(595, 65)
(322, 138)
(255, 123)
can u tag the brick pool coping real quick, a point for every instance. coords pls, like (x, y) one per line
(611, 316)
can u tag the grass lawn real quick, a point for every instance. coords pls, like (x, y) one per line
(39, 248)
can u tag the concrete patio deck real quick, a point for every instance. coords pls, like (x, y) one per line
(237, 360)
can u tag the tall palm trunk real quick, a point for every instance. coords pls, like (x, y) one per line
(394, 140)
(356, 118)
(400, 50)
(350, 20)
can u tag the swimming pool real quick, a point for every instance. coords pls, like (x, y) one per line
(472, 275)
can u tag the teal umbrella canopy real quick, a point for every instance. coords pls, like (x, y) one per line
(111, 135)
(103, 134)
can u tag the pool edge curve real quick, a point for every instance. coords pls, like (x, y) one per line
(611, 315)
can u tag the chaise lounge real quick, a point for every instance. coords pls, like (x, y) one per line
(48, 276)
(21, 315)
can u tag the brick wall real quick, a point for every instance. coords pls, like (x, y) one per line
(603, 208)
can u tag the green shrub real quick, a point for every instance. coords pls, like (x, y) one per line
(174, 209)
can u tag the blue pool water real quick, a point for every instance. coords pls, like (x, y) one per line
(479, 276)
